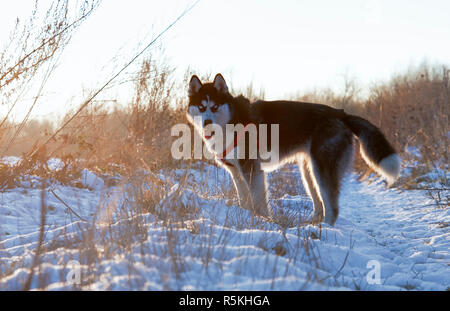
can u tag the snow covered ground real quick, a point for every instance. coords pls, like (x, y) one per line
(384, 239)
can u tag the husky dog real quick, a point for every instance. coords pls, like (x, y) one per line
(319, 138)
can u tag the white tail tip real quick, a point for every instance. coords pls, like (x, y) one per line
(390, 168)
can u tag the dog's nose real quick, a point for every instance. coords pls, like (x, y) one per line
(207, 122)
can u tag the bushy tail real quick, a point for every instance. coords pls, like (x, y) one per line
(374, 147)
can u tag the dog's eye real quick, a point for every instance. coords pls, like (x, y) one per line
(201, 108)
(214, 108)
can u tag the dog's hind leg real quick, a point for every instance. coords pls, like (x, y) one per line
(256, 179)
(310, 188)
(330, 154)
(327, 187)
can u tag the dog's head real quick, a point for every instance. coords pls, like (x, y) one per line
(209, 103)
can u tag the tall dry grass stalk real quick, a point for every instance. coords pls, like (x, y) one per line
(31, 55)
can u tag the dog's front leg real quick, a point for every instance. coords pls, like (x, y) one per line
(242, 189)
(256, 180)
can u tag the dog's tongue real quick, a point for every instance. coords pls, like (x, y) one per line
(209, 136)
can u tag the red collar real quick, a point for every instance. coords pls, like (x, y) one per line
(233, 145)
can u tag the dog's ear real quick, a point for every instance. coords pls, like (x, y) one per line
(194, 85)
(220, 84)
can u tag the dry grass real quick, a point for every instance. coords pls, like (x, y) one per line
(412, 110)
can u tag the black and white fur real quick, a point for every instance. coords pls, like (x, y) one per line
(319, 138)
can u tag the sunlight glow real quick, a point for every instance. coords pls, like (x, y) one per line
(285, 47)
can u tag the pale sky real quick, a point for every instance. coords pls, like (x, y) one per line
(286, 46)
